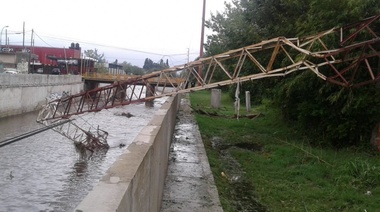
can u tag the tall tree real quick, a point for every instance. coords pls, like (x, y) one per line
(132, 69)
(150, 66)
(303, 98)
(93, 53)
(100, 60)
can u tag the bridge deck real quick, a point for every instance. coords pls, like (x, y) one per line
(112, 78)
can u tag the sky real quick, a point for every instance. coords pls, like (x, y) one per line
(126, 30)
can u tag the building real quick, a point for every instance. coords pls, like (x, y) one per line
(115, 69)
(45, 60)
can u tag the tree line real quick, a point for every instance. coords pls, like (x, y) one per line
(328, 114)
(148, 67)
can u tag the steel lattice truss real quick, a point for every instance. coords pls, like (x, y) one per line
(347, 56)
(85, 136)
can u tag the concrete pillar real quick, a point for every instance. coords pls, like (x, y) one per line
(248, 101)
(148, 93)
(216, 96)
(89, 85)
(121, 94)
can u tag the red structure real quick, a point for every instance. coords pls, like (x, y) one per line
(48, 60)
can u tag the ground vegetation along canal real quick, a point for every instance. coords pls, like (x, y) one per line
(45, 173)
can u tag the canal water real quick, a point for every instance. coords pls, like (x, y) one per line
(45, 173)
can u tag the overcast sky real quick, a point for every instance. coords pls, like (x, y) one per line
(115, 27)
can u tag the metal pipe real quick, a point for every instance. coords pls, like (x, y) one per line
(31, 133)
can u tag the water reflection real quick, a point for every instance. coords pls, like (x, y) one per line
(78, 179)
(79, 169)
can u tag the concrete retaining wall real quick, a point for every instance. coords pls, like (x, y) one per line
(135, 182)
(20, 93)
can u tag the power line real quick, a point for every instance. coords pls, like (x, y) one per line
(42, 39)
(114, 47)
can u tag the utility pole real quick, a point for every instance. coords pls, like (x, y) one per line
(203, 29)
(30, 53)
(202, 37)
(23, 35)
(188, 55)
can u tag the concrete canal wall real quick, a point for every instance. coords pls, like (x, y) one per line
(135, 181)
(21, 93)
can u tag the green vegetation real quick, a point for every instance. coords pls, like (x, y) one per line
(132, 69)
(150, 66)
(308, 149)
(336, 116)
(265, 164)
(100, 60)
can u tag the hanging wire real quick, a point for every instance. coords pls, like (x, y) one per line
(42, 39)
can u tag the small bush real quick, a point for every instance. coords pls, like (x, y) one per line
(363, 174)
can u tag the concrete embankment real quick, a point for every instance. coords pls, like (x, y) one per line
(189, 184)
(21, 93)
(135, 181)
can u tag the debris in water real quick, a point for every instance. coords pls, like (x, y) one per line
(128, 114)
(11, 176)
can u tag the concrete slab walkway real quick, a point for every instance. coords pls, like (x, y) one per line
(189, 185)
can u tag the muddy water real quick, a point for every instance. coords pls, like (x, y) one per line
(45, 173)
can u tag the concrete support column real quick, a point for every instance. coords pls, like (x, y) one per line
(121, 94)
(216, 97)
(89, 85)
(148, 93)
(248, 101)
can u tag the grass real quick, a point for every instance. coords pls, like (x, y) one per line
(283, 172)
